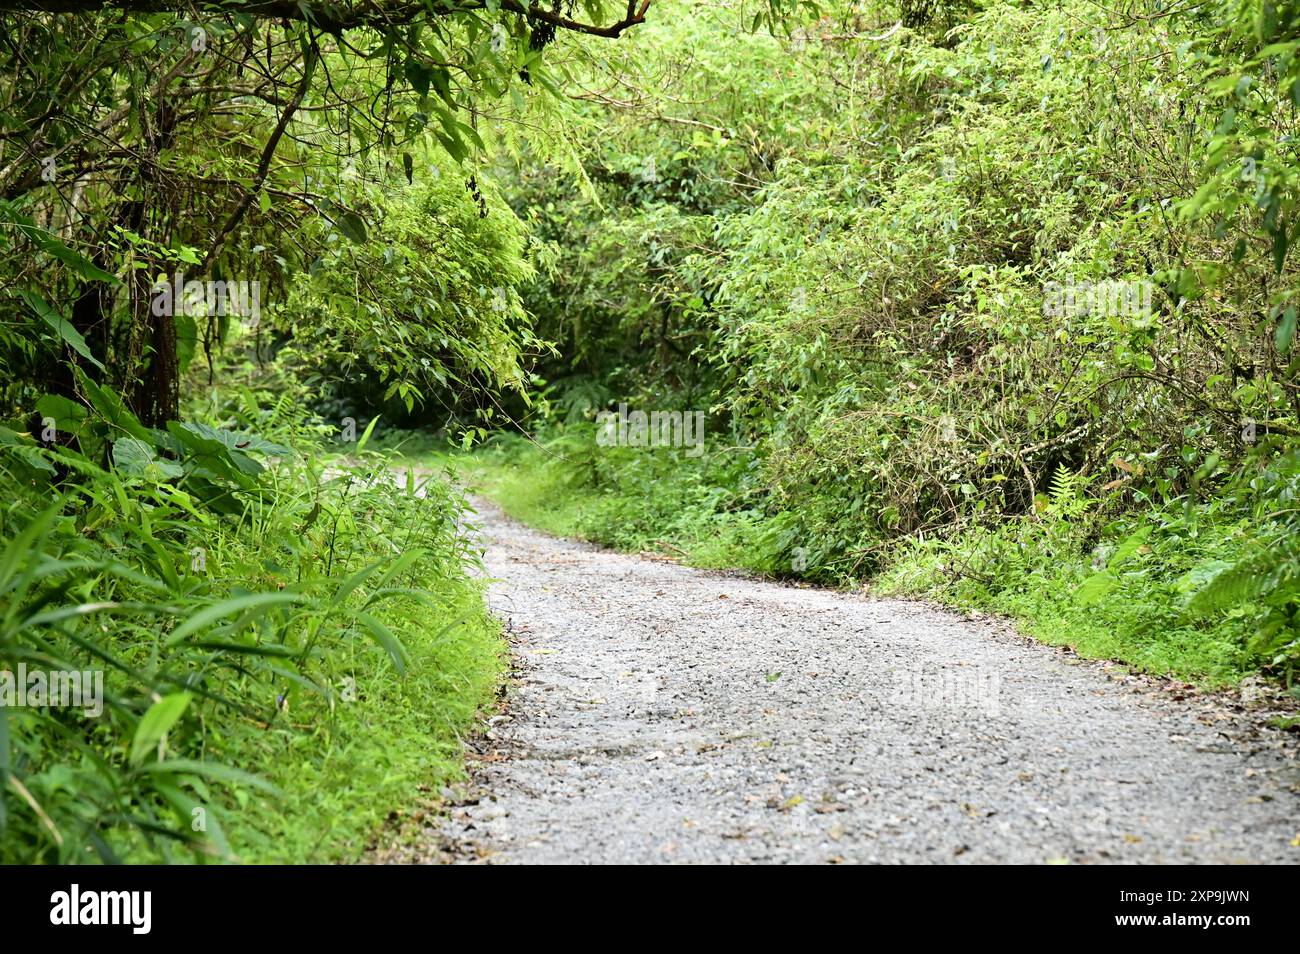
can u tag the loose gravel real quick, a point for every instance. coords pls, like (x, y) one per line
(659, 713)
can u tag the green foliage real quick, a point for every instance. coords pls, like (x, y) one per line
(854, 249)
(1246, 54)
(235, 612)
(222, 568)
(661, 501)
(178, 511)
(429, 305)
(843, 232)
(1259, 579)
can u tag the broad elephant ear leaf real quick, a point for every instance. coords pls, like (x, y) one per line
(238, 443)
(210, 457)
(137, 458)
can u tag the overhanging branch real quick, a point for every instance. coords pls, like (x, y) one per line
(333, 17)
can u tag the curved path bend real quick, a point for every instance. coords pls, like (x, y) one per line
(664, 714)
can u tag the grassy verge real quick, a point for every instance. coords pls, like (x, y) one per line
(381, 736)
(1141, 623)
(287, 653)
(1109, 586)
(342, 776)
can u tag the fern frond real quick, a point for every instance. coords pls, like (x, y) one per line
(1270, 574)
(1064, 487)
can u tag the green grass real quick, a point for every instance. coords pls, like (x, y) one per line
(662, 502)
(380, 754)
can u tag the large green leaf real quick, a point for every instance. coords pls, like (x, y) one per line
(238, 443)
(112, 409)
(187, 340)
(53, 246)
(211, 457)
(352, 225)
(162, 715)
(62, 327)
(133, 456)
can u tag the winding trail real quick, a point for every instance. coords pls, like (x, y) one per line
(664, 714)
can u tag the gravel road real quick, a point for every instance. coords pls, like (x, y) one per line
(664, 714)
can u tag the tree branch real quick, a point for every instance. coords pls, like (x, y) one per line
(268, 153)
(332, 17)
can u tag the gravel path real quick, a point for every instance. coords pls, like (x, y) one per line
(664, 714)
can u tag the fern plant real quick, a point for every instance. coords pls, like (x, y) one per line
(1067, 496)
(1266, 580)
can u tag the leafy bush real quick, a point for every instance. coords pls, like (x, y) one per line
(427, 307)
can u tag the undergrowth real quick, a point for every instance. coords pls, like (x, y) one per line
(290, 645)
(1177, 591)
